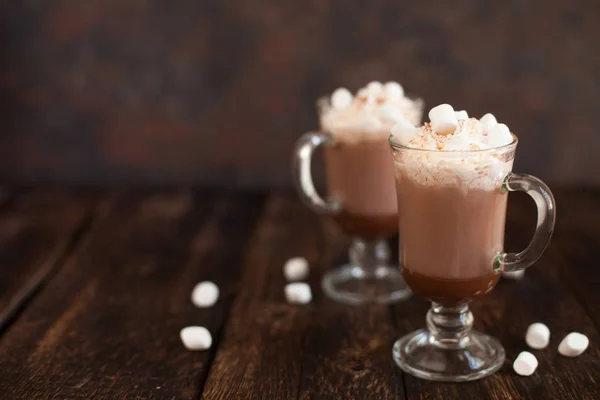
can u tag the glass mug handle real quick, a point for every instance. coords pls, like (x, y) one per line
(546, 215)
(301, 169)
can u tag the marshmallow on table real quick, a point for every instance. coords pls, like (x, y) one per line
(341, 98)
(525, 363)
(196, 338)
(517, 275)
(393, 90)
(298, 293)
(205, 294)
(573, 344)
(537, 336)
(295, 269)
(443, 120)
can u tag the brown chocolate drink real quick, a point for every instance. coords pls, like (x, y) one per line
(359, 166)
(360, 174)
(451, 211)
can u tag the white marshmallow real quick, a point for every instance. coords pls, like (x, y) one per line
(363, 92)
(374, 88)
(196, 338)
(341, 98)
(394, 91)
(516, 275)
(205, 294)
(391, 113)
(443, 120)
(537, 336)
(462, 114)
(573, 344)
(404, 132)
(298, 293)
(295, 269)
(498, 136)
(525, 363)
(488, 121)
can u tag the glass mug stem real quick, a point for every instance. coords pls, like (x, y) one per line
(369, 253)
(449, 325)
(546, 216)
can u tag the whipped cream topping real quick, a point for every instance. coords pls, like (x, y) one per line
(373, 110)
(451, 130)
(452, 138)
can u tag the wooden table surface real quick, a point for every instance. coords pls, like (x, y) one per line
(95, 287)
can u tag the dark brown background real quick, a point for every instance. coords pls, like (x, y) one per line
(214, 91)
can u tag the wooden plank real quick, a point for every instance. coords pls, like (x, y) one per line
(505, 314)
(107, 326)
(37, 230)
(577, 246)
(273, 350)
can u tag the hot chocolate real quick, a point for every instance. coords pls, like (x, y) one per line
(452, 210)
(453, 175)
(359, 168)
(360, 184)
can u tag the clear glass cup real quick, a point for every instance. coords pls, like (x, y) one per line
(451, 237)
(362, 201)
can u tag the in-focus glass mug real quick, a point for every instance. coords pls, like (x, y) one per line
(451, 213)
(362, 201)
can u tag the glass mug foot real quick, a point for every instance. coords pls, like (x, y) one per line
(472, 357)
(352, 284)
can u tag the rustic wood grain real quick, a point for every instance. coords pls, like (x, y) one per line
(577, 248)
(273, 350)
(108, 325)
(37, 229)
(218, 91)
(507, 312)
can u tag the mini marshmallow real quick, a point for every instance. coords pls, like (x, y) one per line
(205, 294)
(341, 98)
(537, 336)
(196, 338)
(516, 275)
(462, 114)
(488, 121)
(573, 344)
(443, 120)
(525, 363)
(298, 293)
(295, 269)
(404, 132)
(499, 135)
(394, 91)
(391, 113)
(363, 93)
(374, 88)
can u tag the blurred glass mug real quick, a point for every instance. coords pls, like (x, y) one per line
(452, 211)
(362, 201)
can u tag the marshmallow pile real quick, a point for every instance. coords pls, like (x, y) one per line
(205, 294)
(538, 337)
(375, 109)
(450, 130)
(296, 269)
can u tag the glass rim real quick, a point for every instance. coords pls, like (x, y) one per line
(397, 146)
